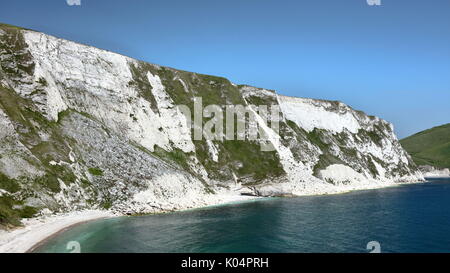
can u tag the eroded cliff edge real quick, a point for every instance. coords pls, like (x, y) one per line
(84, 128)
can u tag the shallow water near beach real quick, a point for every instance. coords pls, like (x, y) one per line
(408, 218)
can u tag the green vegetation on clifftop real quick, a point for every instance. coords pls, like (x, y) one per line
(430, 147)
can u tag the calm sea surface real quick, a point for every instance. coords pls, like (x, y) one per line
(408, 218)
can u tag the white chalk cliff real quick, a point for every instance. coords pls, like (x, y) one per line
(82, 127)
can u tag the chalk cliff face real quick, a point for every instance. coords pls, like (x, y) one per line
(82, 127)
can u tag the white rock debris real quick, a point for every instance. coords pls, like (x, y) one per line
(113, 125)
(433, 172)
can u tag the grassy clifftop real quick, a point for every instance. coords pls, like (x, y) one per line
(430, 147)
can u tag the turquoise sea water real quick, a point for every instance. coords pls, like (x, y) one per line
(408, 218)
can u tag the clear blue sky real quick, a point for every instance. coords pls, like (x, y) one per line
(392, 61)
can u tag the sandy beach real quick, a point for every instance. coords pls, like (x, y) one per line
(35, 230)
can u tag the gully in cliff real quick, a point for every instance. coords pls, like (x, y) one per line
(222, 126)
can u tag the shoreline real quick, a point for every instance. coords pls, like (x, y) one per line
(438, 176)
(37, 231)
(53, 235)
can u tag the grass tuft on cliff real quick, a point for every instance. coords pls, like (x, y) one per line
(430, 147)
